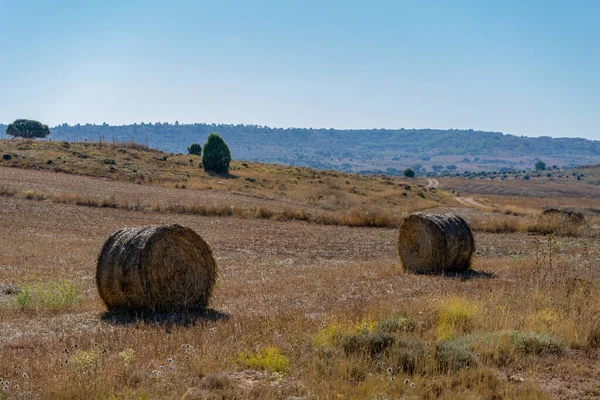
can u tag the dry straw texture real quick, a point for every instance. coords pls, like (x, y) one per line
(563, 216)
(155, 268)
(435, 243)
(560, 222)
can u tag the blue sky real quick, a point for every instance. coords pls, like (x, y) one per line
(523, 67)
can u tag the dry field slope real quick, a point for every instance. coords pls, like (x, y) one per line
(300, 309)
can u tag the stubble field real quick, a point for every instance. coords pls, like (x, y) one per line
(300, 309)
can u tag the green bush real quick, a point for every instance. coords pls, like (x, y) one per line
(195, 148)
(369, 343)
(395, 324)
(536, 343)
(540, 165)
(215, 155)
(27, 128)
(452, 356)
(408, 356)
(409, 173)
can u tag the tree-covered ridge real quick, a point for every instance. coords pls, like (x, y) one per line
(350, 150)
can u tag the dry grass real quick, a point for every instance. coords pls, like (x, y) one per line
(313, 310)
(328, 191)
(356, 217)
(494, 223)
(536, 311)
(498, 224)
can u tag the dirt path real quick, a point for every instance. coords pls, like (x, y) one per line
(432, 183)
(471, 202)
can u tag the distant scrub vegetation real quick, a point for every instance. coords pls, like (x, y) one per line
(357, 150)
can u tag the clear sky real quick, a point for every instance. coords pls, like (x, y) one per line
(523, 67)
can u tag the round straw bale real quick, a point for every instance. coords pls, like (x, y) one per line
(435, 243)
(155, 268)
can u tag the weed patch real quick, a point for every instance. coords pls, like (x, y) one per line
(269, 358)
(51, 295)
(456, 316)
(34, 195)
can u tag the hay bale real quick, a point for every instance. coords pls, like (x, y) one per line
(435, 243)
(155, 268)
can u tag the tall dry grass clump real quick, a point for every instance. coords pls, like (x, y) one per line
(560, 222)
(155, 268)
(435, 243)
(566, 215)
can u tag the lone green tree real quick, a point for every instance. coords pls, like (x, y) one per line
(540, 165)
(409, 173)
(216, 155)
(27, 128)
(195, 148)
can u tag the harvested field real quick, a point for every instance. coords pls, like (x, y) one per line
(291, 300)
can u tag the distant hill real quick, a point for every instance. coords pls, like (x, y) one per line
(374, 150)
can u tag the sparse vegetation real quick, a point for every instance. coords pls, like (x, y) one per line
(53, 295)
(269, 358)
(456, 316)
(302, 309)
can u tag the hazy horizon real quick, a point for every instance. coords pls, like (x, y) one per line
(520, 69)
(310, 127)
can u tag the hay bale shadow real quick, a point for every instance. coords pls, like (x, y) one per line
(167, 320)
(469, 274)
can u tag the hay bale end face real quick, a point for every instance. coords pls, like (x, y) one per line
(155, 268)
(435, 243)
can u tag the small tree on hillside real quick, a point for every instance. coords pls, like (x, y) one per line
(437, 168)
(216, 155)
(540, 165)
(195, 148)
(27, 128)
(409, 173)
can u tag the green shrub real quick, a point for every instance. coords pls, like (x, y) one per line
(452, 356)
(396, 323)
(27, 128)
(367, 343)
(540, 165)
(195, 148)
(408, 356)
(409, 173)
(215, 155)
(536, 343)
(501, 347)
